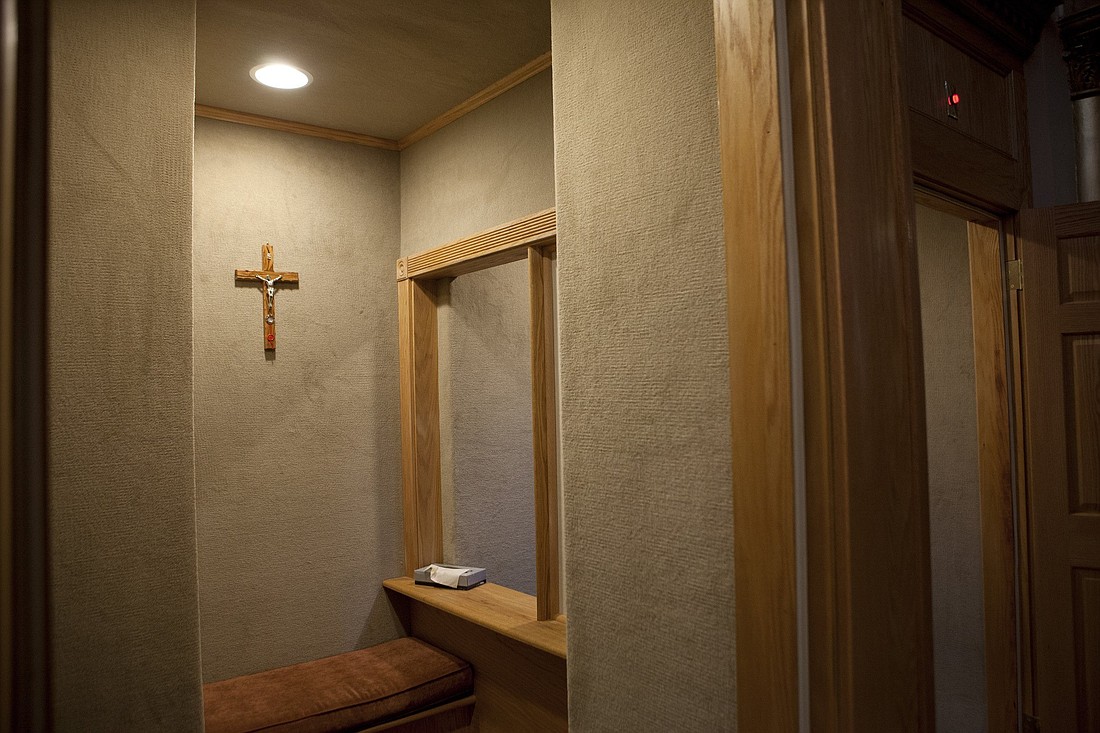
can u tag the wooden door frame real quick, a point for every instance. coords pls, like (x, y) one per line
(24, 543)
(991, 245)
(831, 516)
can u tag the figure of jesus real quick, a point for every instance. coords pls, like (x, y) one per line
(270, 289)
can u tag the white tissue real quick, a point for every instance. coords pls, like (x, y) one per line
(445, 576)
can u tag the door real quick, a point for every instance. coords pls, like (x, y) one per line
(1060, 255)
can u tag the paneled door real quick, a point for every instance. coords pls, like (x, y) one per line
(1060, 256)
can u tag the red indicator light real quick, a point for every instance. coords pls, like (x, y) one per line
(955, 98)
(271, 337)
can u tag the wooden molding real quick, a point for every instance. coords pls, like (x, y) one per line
(497, 246)
(420, 468)
(298, 128)
(992, 382)
(487, 94)
(868, 569)
(534, 238)
(1014, 25)
(764, 520)
(517, 77)
(544, 411)
(26, 641)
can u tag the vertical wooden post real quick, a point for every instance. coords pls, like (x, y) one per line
(25, 633)
(761, 410)
(995, 486)
(868, 569)
(544, 402)
(419, 365)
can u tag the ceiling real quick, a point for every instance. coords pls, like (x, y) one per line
(381, 68)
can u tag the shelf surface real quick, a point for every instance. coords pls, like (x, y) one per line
(503, 610)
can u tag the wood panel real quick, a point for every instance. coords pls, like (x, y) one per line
(1079, 269)
(1060, 380)
(981, 157)
(1002, 29)
(297, 128)
(494, 90)
(1086, 612)
(502, 610)
(419, 367)
(870, 640)
(986, 109)
(995, 485)
(497, 246)
(544, 411)
(1081, 360)
(518, 687)
(947, 161)
(761, 414)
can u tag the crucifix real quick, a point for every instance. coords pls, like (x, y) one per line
(268, 278)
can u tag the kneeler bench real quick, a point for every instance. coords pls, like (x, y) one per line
(402, 685)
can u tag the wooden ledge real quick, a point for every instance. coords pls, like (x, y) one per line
(502, 610)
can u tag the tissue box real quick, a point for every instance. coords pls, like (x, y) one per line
(469, 578)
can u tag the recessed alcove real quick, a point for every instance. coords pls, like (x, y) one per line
(421, 126)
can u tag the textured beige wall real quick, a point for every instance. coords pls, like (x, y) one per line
(298, 456)
(122, 511)
(491, 166)
(644, 367)
(955, 518)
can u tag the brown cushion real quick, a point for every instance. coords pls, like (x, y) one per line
(342, 693)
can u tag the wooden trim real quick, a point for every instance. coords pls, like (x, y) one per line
(1023, 528)
(497, 246)
(503, 610)
(959, 167)
(946, 23)
(1011, 28)
(8, 37)
(995, 473)
(519, 687)
(544, 404)
(494, 90)
(489, 93)
(760, 366)
(419, 365)
(26, 648)
(297, 128)
(870, 636)
(534, 238)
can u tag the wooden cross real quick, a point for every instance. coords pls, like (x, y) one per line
(268, 279)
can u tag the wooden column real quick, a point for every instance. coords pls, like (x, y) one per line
(419, 365)
(765, 569)
(544, 404)
(869, 596)
(864, 662)
(995, 485)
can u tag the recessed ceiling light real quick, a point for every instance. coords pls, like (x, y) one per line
(280, 76)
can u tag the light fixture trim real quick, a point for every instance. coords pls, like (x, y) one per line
(281, 76)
